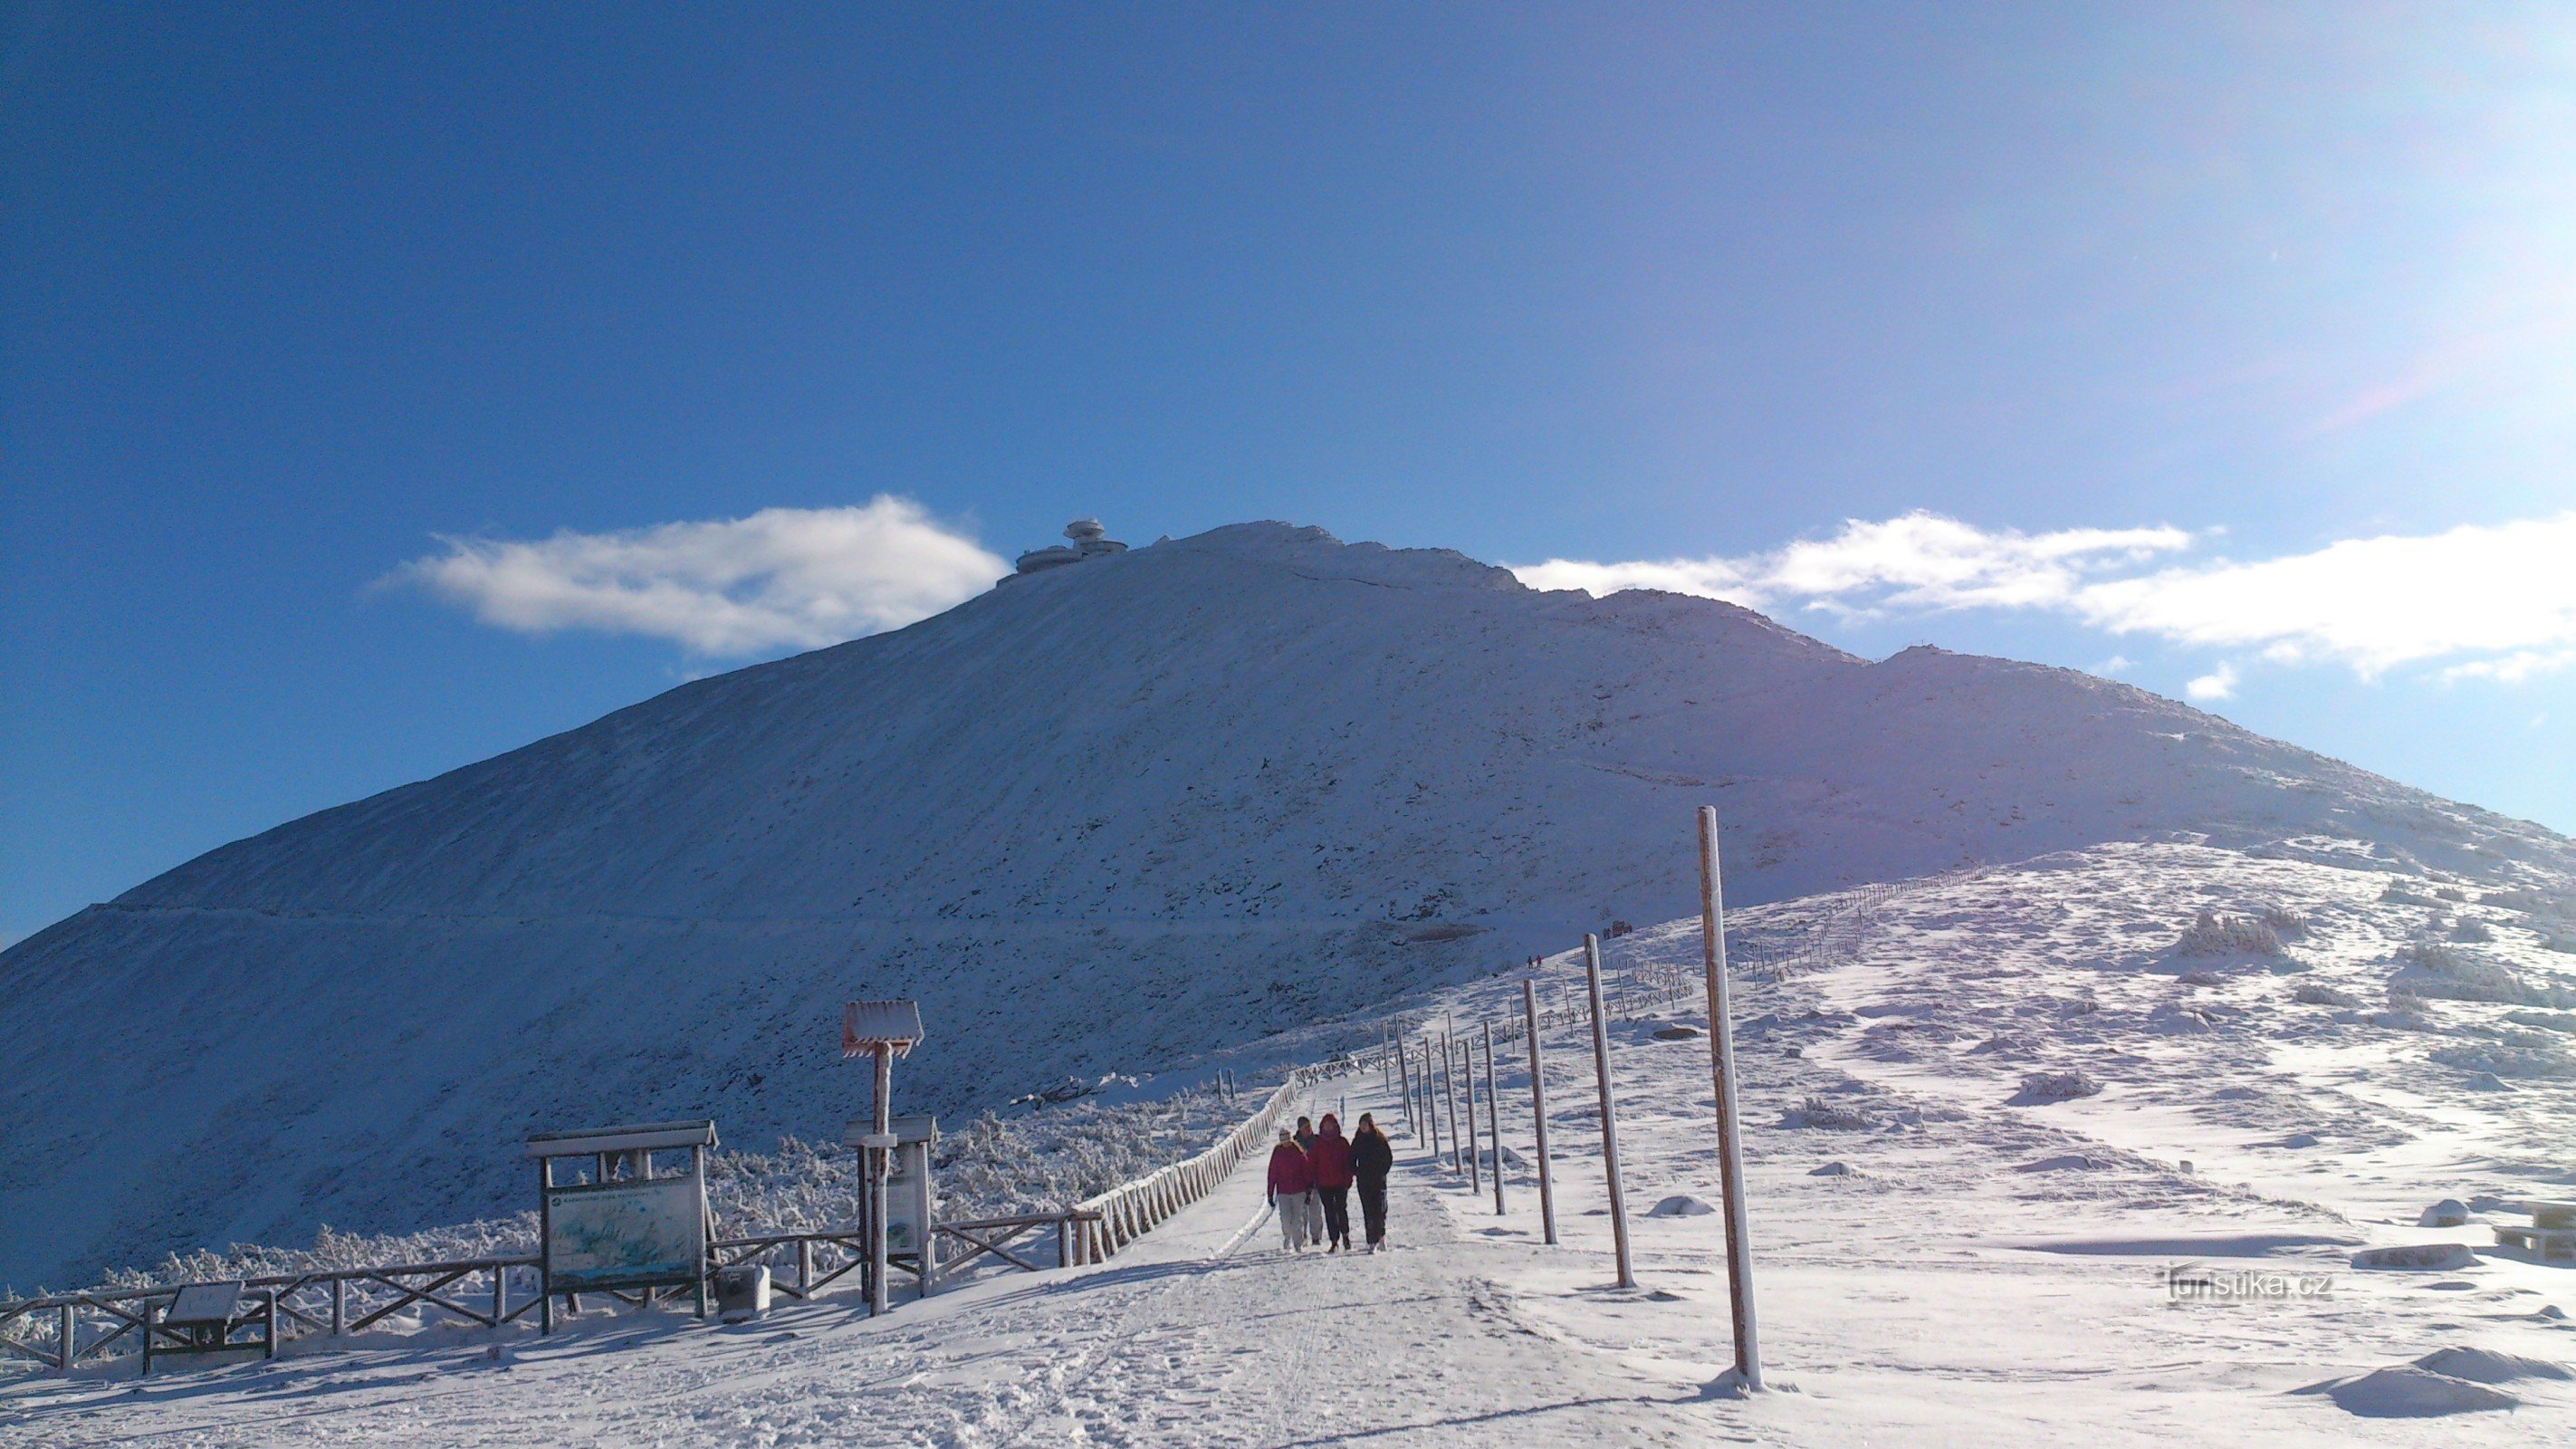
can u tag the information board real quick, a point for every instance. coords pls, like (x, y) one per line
(625, 1234)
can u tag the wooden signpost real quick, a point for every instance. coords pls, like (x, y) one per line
(883, 1030)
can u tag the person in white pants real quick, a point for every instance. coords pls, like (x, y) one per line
(1292, 1195)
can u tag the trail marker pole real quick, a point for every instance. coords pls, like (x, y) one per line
(1449, 1093)
(1494, 1118)
(1404, 1063)
(1430, 1099)
(1730, 1127)
(1538, 1110)
(1467, 1060)
(1609, 1117)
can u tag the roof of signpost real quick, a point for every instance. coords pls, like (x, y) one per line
(867, 1025)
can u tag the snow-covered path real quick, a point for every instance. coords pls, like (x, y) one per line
(1198, 1335)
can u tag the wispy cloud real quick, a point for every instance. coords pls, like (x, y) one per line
(2497, 602)
(783, 578)
(1919, 562)
(2219, 683)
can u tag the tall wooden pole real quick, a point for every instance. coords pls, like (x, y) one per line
(1609, 1118)
(1430, 1099)
(1404, 1064)
(880, 1298)
(1467, 1091)
(1494, 1119)
(1730, 1128)
(1449, 1096)
(1538, 1110)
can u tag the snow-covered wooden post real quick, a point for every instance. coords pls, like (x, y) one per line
(1404, 1065)
(1609, 1117)
(884, 1030)
(1494, 1118)
(1430, 1103)
(1730, 1126)
(1538, 1109)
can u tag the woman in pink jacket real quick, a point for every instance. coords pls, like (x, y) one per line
(1292, 1192)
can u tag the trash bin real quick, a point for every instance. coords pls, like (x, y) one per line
(742, 1293)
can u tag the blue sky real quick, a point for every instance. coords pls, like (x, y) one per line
(2215, 348)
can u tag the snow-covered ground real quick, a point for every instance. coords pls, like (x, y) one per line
(1980, 1270)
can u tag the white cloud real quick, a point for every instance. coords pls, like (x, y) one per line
(2373, 603)
(2219, 683)
(2500, 600)
(783, 578)
(1917, 562)
(2113, 667)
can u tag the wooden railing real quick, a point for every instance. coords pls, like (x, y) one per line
(1129, 1211)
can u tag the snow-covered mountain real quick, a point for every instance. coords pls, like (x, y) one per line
(1102, 819)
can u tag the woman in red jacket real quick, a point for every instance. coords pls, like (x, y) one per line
(1330, 1158)
(1292, 1192)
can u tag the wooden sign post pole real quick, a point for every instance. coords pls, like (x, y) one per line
(1609, 1117)
(1730, 1128)
(1538, 1111)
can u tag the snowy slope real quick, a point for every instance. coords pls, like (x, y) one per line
(1103, 818)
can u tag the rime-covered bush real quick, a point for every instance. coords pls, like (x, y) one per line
(2430, 972)
(2057, 1087)
(2471, 930)
(2324, 996)
(2450, 893)
(1830, 1116)
(1037, 1161)
(2529, 1063)
(2284, 921)
(2395, 893)
(2211, 934)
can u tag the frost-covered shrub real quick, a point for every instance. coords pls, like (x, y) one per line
(2397, 894)
(2560, 941)
(2434, 973)
(2449, 893)
(2284, 921)
(1831, 1116)
(2211, 934)
(2509, 1061)
(2324, 996)
(2056, 1087)
(2472, 930)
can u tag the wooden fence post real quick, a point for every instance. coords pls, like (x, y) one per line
(1494, 1118)
(1538, 1109)
(1730, 1129)
(1609, 1117)
(1404, 1063)
(1430, 1099)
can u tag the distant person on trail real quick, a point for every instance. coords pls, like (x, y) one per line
(1292, 1192)
(1330, 1158)
(1305, 1134)
(1372, 1158)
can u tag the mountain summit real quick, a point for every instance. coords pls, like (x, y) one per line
(1099, 820)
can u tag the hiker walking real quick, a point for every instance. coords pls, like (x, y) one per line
(1372, 1158)
(1330, 1159)
(1292, 1193)
(1305, 1134)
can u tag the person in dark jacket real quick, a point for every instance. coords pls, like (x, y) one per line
(1292, 1193)
(1330, 1158)
(1305, 1134)
(1372, 1158)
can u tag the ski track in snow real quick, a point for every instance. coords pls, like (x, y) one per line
(1985, 1273)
